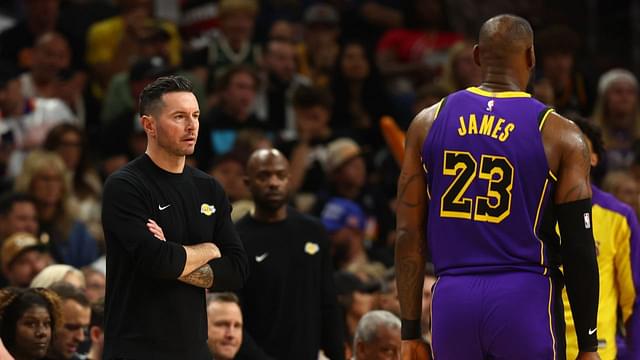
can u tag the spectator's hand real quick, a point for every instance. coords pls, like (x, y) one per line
(156, 230)
(588, 356)
(414, 350)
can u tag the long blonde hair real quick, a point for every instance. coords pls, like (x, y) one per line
(601, 110)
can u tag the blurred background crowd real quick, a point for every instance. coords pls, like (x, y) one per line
(310, 78)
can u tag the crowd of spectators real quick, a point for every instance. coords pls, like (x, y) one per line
(309, 78)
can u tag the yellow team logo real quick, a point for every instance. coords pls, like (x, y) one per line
(207, 209)
(311, 248)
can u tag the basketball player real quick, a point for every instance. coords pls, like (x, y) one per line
(486, 174)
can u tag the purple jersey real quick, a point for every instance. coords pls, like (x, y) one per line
(488, 181)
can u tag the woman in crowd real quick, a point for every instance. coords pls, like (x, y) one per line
(618, 116)
(28, 319)
(69, 141)
(44, 177)
(59, 272)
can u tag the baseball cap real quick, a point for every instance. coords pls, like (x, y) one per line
(339, 151)
(321, 14)
(17, 244)
(339, 213)
(347, 283)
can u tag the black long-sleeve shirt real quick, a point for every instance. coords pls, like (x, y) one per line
(149, 314)
(289, 302)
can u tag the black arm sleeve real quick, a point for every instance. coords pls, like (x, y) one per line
(580, 269)
(232, 269)
(332, 323)
(124, 219)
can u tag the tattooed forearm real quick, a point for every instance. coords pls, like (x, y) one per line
(404, 183)
(410, 263)
(201, 277)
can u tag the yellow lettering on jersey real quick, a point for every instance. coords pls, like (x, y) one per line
(462, 130)
(473, 126)
(498, 128)
(507, 131)
(487, 124)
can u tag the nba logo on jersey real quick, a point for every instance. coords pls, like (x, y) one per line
(587, 221)
(490, 104)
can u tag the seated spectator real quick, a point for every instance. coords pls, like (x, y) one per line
(95, 281)
(76, 318)
(70, 142)
(426, 96)
(59, 273)
(41, 16)
(51, 76)
(274, 103)
(234, 111)
(30, 318)
(225, 325)
(307, 151)
(410, 57)
(17, 214)
(115, 43)
(44, 178)
(460, 72)
(228, 170)
(377, 337)
(556, 48)
(282, 29)
(360, 95)
(618, 114)
(345, 222)
(25, 121)
(23, 257)
(356, 298)
(318, 53)
(96, 331)
(231, 45)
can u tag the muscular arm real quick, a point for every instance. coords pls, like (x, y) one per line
(410, 254)
(571, 162)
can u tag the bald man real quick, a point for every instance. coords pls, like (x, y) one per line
(289, 302)
(501, 170)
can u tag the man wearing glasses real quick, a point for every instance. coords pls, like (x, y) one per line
(76, 316)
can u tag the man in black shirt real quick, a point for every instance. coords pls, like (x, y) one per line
(289, 302)
(155, 298)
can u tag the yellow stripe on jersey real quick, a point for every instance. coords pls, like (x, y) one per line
(502, 94)
(535, 224)
(544, 118)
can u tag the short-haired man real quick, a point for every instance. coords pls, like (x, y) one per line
(289, 301)
(23, 257)
(169, 236)
(76, 317)
(225, 325)
(18, 213)
(96, 331)
(377, 337)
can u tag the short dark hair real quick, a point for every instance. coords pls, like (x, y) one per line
(7, 200)
(67, 291)
(225, 78)
(97, 314)
(224, 297)
(306, 97)
(151, 96)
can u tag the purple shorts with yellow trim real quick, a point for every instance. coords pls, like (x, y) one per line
(495, 316)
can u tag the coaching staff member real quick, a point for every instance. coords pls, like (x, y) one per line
(155, 300)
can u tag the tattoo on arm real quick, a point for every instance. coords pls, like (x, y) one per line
(410, 274)
(581, 190)
(201, 277)
(404, 183)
